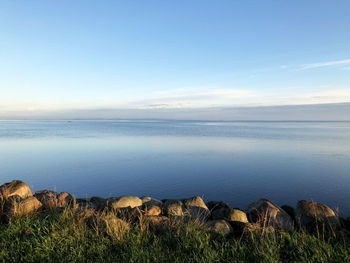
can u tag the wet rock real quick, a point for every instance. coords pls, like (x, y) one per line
(16, 187)
(219, 226)
(309, 214)
(266, 213)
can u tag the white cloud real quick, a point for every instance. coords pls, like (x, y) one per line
(325, 64)
(194, 97)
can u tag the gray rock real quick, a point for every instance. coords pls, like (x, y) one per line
(266, 213)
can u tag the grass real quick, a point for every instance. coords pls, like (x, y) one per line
(73, 236)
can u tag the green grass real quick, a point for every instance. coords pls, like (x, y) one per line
(70, 236)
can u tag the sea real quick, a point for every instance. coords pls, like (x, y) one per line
(237, 162)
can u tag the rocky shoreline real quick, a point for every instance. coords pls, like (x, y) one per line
(262, 216)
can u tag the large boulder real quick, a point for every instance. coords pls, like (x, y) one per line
(219, 226)
(309, 214)
(16, 206)
(124, 202)
(267, 213)
(16, 187)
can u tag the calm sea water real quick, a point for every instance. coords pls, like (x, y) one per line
(238, 162)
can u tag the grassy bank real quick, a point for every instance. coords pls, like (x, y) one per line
(72, 236)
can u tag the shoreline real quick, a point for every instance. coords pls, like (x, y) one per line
(285, 217)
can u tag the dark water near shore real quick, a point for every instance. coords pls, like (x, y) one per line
(237, 162)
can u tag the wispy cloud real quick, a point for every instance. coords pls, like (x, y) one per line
(195, 97)
(325, 64)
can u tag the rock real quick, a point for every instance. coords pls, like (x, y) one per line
(309, 214)
(229, 214)
(190, 208)
(149, 202)
(174, 209)
(153, 211)
(236, 215)
(98, 202)
(145, 199)
(219, 226)
(289, 210)
(213, 205)
(266, 213)
(64, 199)
(51, 199)
(16, 206)
(196, 208)
(124, 202)
(152, 207)
(16, 187)
(47, 198)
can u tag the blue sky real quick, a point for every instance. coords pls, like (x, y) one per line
(85, 55)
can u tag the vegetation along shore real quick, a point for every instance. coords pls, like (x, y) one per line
(56, 227)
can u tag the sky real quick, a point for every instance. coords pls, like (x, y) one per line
(159, 58)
